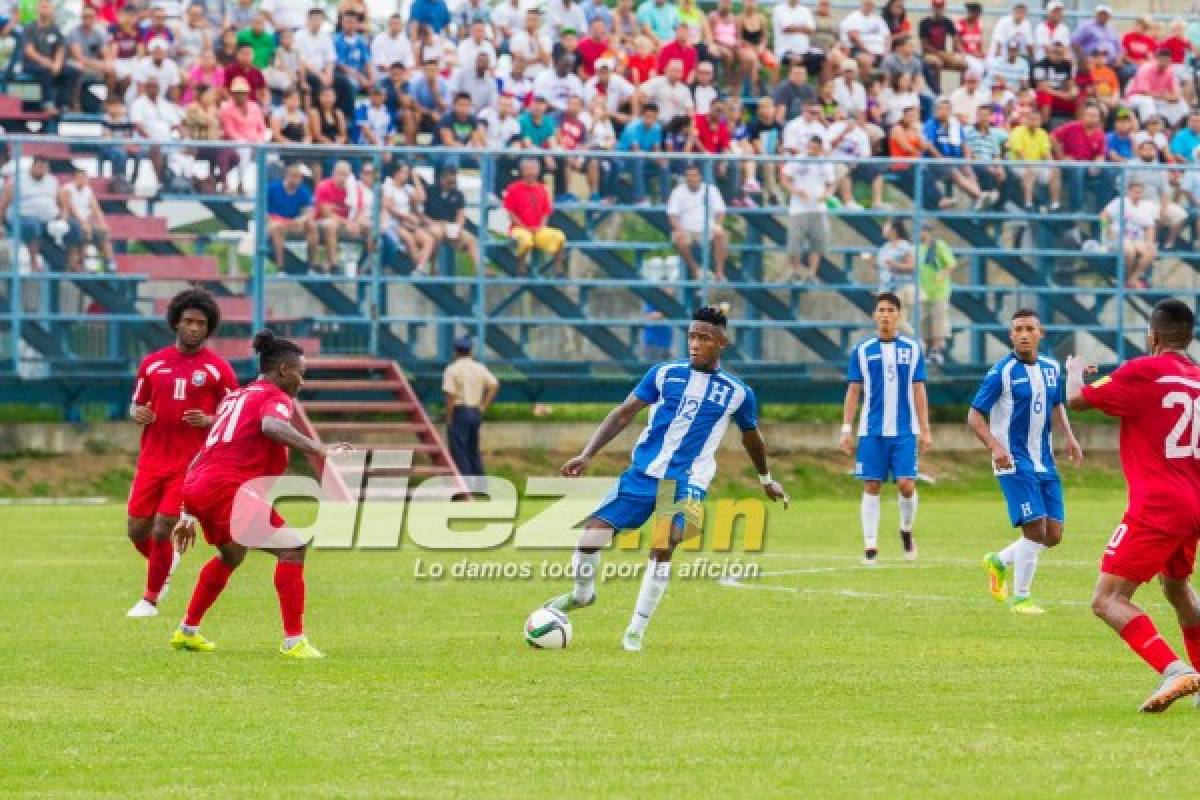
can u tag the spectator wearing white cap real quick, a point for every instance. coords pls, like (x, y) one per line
(156, 64)
(1015, 25)
(613, 87)
(1053, 29)
(848, 90)
(1097, 34)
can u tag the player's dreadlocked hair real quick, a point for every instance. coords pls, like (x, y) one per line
(194, 300)
(711, 315)
(273, 351)
(1174, 323)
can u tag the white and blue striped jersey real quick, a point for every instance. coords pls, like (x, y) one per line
(689, 413)
(887, 370)
(1019, 399)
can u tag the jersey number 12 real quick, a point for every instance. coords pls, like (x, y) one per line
(1188, 426)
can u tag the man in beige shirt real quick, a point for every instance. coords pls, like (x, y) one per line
(470, 388)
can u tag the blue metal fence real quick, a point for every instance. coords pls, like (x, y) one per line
(591, 319)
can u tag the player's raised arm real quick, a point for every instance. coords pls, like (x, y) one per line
(1076, 368)
(617, 420)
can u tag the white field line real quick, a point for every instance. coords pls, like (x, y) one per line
(934, 598)
(944, 562)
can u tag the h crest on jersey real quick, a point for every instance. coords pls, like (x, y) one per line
(718, 393)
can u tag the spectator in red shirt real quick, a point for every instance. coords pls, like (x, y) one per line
(244, 68)
(334, 216)
(642, 65)
(1181, 56)
(1081, 140)
(680, 48)
(970, 37)
(1139, 44)
(597, 44)
(529, 208)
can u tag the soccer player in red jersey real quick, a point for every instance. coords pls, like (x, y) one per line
(249, 440)
(1157, 398)
(178, 391)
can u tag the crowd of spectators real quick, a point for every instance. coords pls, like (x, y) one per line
(822, 88)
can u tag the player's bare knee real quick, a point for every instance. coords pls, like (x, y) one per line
(1052, 535)
(872, 487)
(1102, 600)
(139, 528)
(906, 487)
(162, 527)
(232, 554)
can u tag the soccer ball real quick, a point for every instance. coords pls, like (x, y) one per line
(547, 629)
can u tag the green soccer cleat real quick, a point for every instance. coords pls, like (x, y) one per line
(997, 572)
(631, 642)
(567, 602)
(191, 641)
(1025, 605)
(301, 649)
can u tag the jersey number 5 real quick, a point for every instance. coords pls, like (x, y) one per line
(1189, 419)
(227, 418)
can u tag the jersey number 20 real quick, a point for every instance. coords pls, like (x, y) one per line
(1188, 426)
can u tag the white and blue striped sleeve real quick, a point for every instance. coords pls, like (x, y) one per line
(649, 387)
(989, 391)
(746, 416)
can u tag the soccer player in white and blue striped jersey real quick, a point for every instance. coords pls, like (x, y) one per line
(691, 403)
(887, 371)
(1012, 414)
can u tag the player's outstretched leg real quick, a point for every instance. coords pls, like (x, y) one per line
(1187, 608)
(654, 585)
(211, 581)
(869, 512)
(907, 501)
(1113, 603)
(585, 562)
(289, 585)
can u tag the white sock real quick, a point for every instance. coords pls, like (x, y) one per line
(189, 630)
(870, 520)
(654, 583)
(1026, 563)
(584, 566)
(908, 511)
(291, 641)
(1009, 554)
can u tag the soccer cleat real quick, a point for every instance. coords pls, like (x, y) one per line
(191, 641)
(997, 572)
(1025, 605)
(143, 609)
(567, 602)
(301, 649)
(1170, 690)
(631, 642)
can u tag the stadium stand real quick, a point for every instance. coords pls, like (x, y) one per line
(816, 126)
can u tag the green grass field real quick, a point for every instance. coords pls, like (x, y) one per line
(818, 679)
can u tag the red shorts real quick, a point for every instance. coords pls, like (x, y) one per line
(248, 522)
(155, 493)
(1138, 553)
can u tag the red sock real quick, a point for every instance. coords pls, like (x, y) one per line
(289, 584)
(1142, 637)
(1191, 640)
(209, 585)
(144, 546)
(158, 568)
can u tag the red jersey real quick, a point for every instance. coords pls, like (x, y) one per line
(970, 37)
(171, 382)
(236, 449)
(1158, 401)
(1138, 47)
(674, 51)
(329, 194)
(641, 68)
(713, 139)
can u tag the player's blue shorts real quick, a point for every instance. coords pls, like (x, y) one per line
(631, 501)
(1033, 495)
(882, 456)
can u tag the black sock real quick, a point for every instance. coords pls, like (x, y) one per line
(871, 552)
(906, 539)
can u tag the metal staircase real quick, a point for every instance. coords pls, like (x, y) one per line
(368, 402)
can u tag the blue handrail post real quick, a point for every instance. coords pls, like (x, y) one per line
(1122, 293)
(16, 299)
(487, 173)
(918, 207)
(259, 282)
(375, 307)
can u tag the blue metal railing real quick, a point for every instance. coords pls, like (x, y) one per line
(413, 317)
